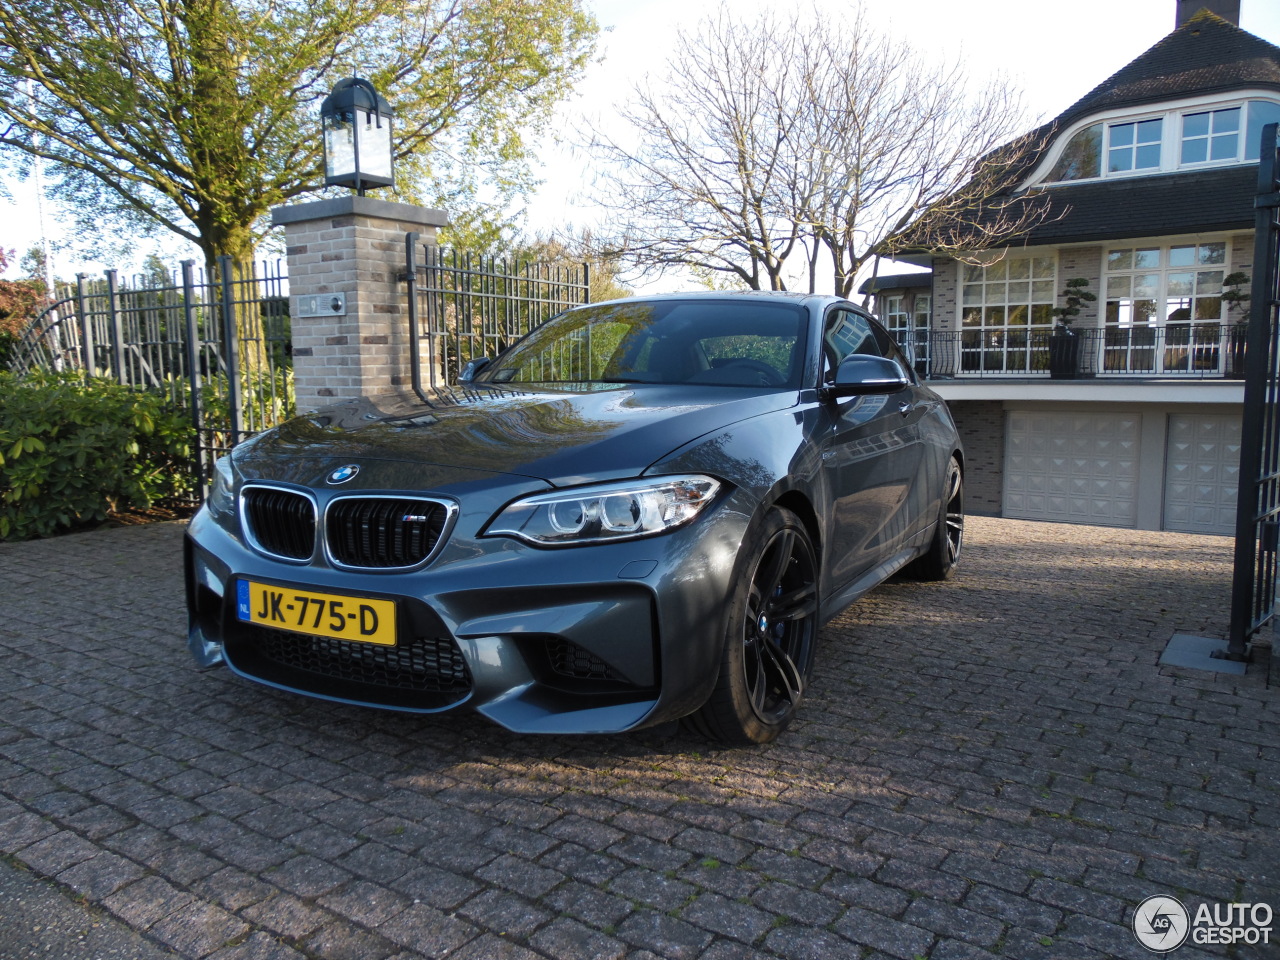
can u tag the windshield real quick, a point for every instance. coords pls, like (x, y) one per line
(743, 343)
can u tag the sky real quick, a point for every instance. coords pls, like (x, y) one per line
(1053, 60)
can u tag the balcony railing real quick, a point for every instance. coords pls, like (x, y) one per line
(1201, 350)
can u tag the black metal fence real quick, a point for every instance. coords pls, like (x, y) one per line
(1253, 592)
(463, 307)
(1202, 350)
(218, 346)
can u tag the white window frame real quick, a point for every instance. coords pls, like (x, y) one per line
(909, 329)
(1132, 148)
(1242, 122)
(1191, 346)
(1171, 140)
(987, 349)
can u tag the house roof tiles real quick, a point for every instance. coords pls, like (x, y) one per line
(1205, 55)
(1201, 202)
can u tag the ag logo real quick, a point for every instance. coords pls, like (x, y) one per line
(343, 474)
(1161, 924)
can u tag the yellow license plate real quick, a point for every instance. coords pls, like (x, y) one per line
(361, 619)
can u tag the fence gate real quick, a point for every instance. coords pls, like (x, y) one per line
(1253, 591)
(191, 337)
(463, 307)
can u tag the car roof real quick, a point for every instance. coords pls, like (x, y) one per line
(793, 296)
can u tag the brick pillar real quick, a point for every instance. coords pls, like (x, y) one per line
(347, 303)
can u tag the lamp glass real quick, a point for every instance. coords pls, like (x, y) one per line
(375, 146)
(339, 148)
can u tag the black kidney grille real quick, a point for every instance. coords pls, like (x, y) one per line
(281, 522)
(377, 532)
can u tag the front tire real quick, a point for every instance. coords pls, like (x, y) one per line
(770, 636)
(939, 561)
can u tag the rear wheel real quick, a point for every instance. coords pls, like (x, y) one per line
(938, 562)
(770, 637)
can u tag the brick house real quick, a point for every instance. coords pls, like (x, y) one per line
(1151, 179)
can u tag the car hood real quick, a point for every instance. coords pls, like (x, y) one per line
(558, 435)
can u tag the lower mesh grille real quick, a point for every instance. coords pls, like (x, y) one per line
(570, 660)
(427, 672)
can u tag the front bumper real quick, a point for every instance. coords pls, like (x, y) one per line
(592, 639)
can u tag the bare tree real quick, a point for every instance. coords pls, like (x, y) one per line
(814, 138)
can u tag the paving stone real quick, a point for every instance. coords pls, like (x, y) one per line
(367, 904)
(580, 863)
(232, 888)
(101, 875)
(893, 937)
(666, 936)
(198, 929)
(147, 902)
(949, 921)
(797, 942)
(57, 852)
(340, 941)
(259, 946)
(1019, 912)
(428, 930)
(594, 907)
(656, 890)
(504, 913)
(286, 915)
(728, 917)
(490, 947)
(970, 776)
(792, 905)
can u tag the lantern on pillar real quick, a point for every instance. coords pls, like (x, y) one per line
(357, 136)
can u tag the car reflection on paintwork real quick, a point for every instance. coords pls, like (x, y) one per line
(641, 511)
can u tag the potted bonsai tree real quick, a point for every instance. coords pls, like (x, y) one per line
(1064, 345)
(1236, 301)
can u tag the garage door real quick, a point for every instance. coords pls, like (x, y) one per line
(1078, 468)
(1202, 473)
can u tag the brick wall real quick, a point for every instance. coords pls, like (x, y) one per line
(981, 426)
(946, 287)
(1082, 262)
(353, 246)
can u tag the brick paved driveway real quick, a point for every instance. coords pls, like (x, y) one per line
(992, 766)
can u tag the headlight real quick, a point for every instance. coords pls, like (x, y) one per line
(220, 500)
(612, 511)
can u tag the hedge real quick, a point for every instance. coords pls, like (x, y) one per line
(71, 452)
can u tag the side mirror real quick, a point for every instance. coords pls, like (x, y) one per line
(861, 374)
(473, 368)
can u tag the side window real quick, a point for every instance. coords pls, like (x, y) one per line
(847, 333)
(890, 348)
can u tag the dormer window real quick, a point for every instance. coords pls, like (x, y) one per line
(1184, 138)
(1134, 146)
(1210, 135)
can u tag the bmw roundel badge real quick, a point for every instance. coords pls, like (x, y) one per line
(343, 474)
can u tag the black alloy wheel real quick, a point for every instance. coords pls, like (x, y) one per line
(769, 643)
(939, 561)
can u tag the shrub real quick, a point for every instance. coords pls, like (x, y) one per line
(71, 452)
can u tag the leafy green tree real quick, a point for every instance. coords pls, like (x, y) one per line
(572, 251)
(198, 116)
